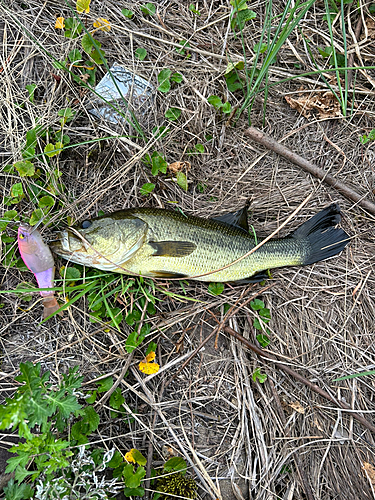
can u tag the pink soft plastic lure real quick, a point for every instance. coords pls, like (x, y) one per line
(38, 258)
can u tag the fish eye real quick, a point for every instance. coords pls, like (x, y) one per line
(86, 224)
(22, 236)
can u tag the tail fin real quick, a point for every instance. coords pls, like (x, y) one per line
(325, 239)
(50, 306)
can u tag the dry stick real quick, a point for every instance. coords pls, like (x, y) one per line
(268, 356)
(358, 30)
(318, 172)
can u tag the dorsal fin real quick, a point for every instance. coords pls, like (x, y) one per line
(237, 219)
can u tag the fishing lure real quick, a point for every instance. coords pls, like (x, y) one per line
(38, 259)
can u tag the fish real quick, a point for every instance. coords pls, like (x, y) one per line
(161, 243)
(39, 260)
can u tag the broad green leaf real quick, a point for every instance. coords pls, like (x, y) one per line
(261, 377)
(237, 65)
(257, 304)
(75, 56)
(147, 188)
(184, 45)
(98, 56)
(36, 216)
(135, 492)
(173, 114)
(140, 53)
(151, 348)
(216, 288)
(87, 43)
(116, 399)
(148, 9)
(199, 148)
(105, 384)
(91, 418)
(175, 464)
(46, 201)
(70, 273)
(181, 180)
(133, 341)
(6, 218)
(53, 149)
(215, 101)
(83, 6)
(25, 168)
(127, 13)
(158, 164)
(176, 77)
(16, 191)
(263, 339)
(227, 108)
(164, 80)
(116, 460)
(194, 10)
(133, 479)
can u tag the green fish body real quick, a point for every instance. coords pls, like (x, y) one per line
(165, 244)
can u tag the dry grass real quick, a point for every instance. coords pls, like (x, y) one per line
(231, 430)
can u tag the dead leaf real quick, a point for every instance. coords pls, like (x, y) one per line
(83, 6)
(146, 366)
(177, 166)
(168, 452)
(60, 23)
(297, 407)
(102, 24)
(370, 471)
(325, 104)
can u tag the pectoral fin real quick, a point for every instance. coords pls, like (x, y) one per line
(172, 248)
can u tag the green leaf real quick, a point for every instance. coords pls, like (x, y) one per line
(173, 114)
(160, 132)
(232, 66)
(116, 460)
(262, 47)
(134, 492)
(215, 101)
(87, 43)
(140, 53)
(117, 399)
(21, 474)
(261, 377)
(105, 384)
(201, 187)
(17, 491)
(181, 180)
(148, 9)
(193, 9)
(91, 418)
(199, 147)
(133, 341)
(70, 273)
(6, 218)
(263, 340)
(98, 56)
(36, 216)
(164, 80)
(257, 324)
(92, 398)
(227, 108)
(158, 164)
(133, 479)
(16, 191)
(53, 150)
(25, 168)
(216, 288)
(151, 348)
(75, 55)
(175, 464)
(176, 77)
(138, 457)
(31, 89)
(127, 13)
(257, 304)
(184, 44)
(46, 201)
(147, 188)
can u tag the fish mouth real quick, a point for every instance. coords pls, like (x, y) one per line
(66, 244)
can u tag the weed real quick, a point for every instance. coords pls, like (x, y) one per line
(261, 320)
(259, 376)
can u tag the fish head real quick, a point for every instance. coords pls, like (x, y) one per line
(103, 242)
(34, 252)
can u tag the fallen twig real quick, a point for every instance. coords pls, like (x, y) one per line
(314, 170)
(305, 381)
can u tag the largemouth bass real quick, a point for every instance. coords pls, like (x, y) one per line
(39, 260)
(165, 244)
